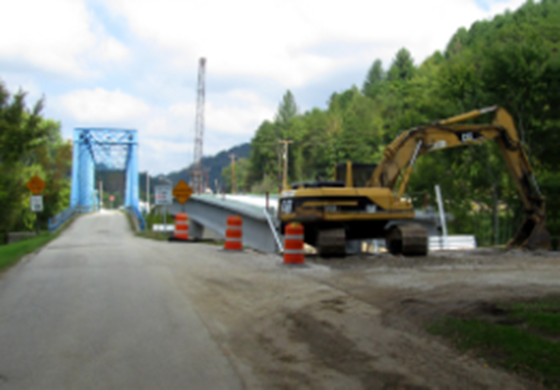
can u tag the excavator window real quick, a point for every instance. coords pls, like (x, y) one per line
(361, 173)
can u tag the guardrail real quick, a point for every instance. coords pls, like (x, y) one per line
(57, 221)
(212, 212)
(139, 220)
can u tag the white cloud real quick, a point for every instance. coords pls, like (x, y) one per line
(47, 34)
(55, 36)
(235, 112)
(111, 50)
(270, 39)
(102, 106)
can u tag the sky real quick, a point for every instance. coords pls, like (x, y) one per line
(134, 63)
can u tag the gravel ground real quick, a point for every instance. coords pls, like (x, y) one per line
(193, 311)
(357, 323)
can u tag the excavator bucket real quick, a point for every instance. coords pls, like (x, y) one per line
(532, 235)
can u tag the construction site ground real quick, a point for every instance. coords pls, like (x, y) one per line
(101, 308)
(358, 322)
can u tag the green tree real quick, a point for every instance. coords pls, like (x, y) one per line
(265, 153)
(402, 68)
(241, 173)
(374, 80)
(29, 144)
(287, 110)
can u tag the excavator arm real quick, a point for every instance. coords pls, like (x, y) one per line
(401, 154)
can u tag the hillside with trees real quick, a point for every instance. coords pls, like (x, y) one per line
(214, 164)
(511, 61)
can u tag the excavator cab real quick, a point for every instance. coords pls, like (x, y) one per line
(361, 173)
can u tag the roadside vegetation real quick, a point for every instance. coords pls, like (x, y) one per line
(511, 61)
(158, 236)
(522, 337)
(151, 219)
(12, 253)
(30, 145)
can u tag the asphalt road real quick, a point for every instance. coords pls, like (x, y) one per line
(97, 309)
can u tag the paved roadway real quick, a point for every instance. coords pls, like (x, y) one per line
(99, 309)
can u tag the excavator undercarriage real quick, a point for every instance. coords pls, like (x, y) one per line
(407, 239)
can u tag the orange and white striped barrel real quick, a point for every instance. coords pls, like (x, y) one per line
(293, 244)
(234, 233)
(181, 227)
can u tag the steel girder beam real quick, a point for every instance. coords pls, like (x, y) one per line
(104, 149)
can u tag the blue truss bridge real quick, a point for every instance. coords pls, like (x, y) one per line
(101, 149)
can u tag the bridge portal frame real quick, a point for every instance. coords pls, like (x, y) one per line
(107, 149)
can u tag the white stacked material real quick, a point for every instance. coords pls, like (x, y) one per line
(458, 242)
(163, 228)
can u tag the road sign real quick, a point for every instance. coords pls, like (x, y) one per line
(37, 203)
(164, 195)
(182, 192)
(35, 185)
(111, 198)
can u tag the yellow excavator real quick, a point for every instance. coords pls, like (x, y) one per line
(361, 203)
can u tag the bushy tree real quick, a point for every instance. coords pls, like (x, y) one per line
(374, 80)
(29, 145)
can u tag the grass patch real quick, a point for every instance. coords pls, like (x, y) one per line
(10, 254)
(542, 316)
(521, 337)
(159, 236)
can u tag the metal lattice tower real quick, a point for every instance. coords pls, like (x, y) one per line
(197, 171)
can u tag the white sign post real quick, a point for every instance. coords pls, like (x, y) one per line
(37, 203)
(164, 196)
(442, 217)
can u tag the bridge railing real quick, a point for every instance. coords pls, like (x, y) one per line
(59, 219)
(137, 216)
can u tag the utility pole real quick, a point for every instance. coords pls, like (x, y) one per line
(286, 142)
(197, 172)
(147, 192)
(279, 178)
(232, 156)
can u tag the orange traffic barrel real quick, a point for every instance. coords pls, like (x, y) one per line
(181, 227)
(293, 244)
(234, 233)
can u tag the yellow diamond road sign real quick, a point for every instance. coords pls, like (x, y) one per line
(35, 185)
(182, 192)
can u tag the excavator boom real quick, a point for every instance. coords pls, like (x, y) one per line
(400, 155)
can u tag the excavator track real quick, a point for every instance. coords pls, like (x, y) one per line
(408, 239)
(331, 242)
